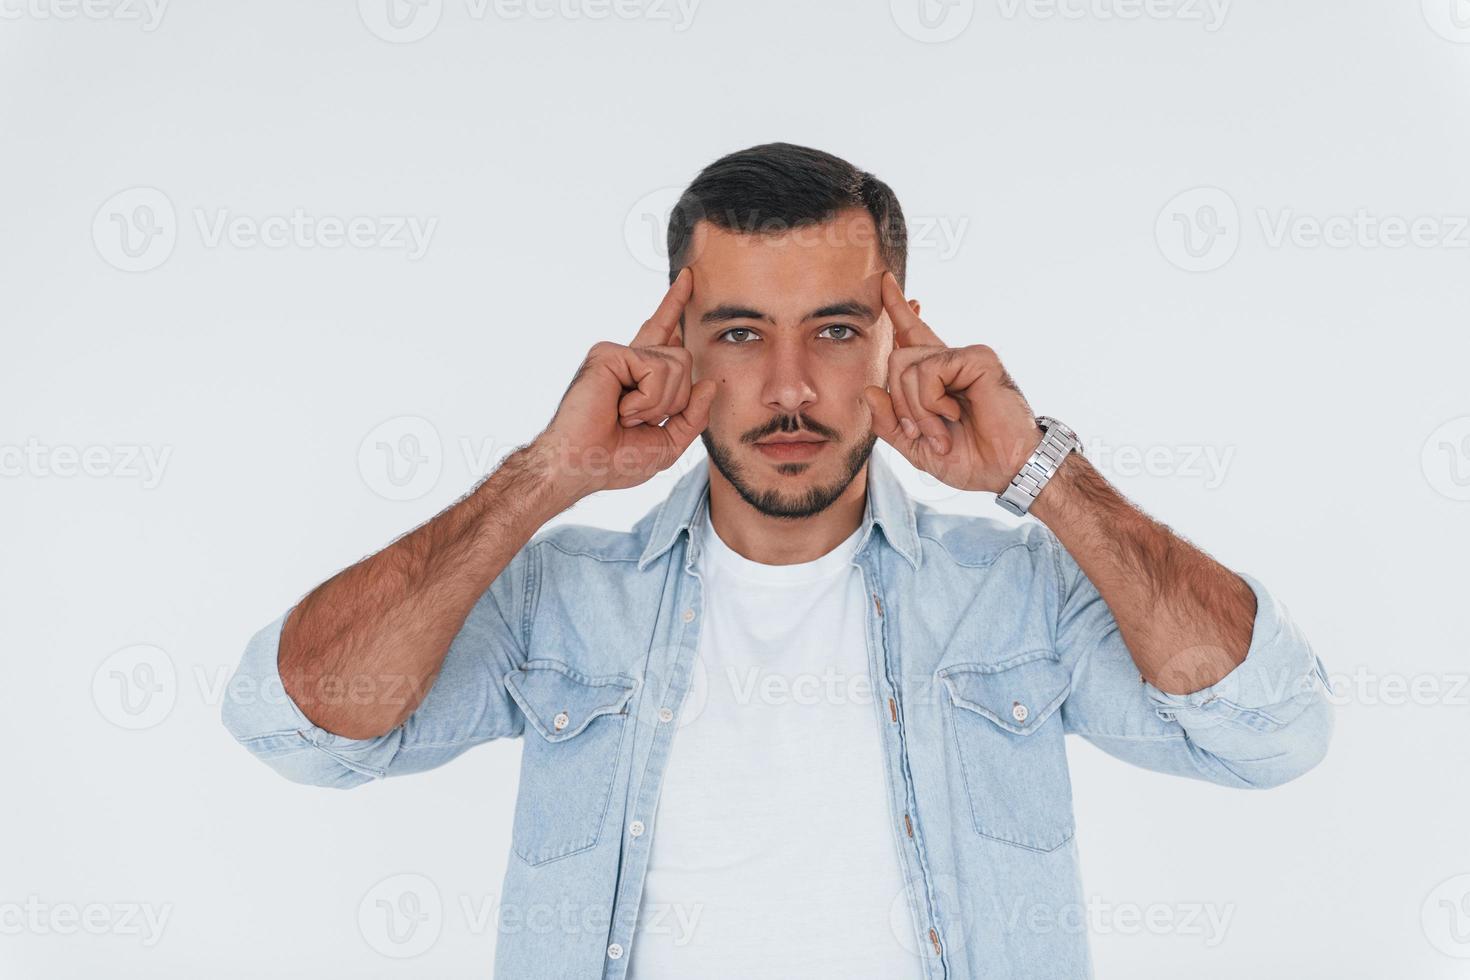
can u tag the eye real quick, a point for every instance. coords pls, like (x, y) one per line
(737, 330)
(851, 331)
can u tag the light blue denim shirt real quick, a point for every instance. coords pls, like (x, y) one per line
(986, 645)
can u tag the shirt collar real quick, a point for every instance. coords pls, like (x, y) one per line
(888, 506)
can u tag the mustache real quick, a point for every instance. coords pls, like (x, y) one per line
(788, 424)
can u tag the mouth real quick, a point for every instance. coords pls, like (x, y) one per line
(787, 450)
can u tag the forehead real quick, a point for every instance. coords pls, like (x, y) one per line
(787, 268)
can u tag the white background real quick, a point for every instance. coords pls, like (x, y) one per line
(1039, 153)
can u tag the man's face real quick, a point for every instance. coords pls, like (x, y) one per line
(791, 326)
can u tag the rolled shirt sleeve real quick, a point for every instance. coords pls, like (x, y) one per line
(466, 705)
(1266, 722)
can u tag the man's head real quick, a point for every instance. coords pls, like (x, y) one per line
(787, 246)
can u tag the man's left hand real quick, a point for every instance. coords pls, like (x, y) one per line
(953, 412)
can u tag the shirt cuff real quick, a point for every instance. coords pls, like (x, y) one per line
(1278, 679)
(264, 718)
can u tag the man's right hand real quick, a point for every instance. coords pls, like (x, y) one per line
(609, 431)
(393, 616)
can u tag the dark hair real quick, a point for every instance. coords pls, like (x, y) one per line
(777, 187)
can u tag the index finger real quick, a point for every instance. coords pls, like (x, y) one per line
(662, 328)
(908, 329)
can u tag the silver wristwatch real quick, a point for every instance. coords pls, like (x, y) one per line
(1056, 442)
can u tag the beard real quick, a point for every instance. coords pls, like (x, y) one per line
(775, 503)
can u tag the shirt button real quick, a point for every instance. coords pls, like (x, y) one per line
(665, 715)
(689, 615)
(1019, 712)
(560, 721)
(615, 952)
(636, 828)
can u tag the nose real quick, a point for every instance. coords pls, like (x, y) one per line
(789, 388)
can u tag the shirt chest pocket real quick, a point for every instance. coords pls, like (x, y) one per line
(1010, 749)
(574, 731)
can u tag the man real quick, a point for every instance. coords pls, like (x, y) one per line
(793, 724)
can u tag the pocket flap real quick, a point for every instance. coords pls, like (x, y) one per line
(560, 702)
(1018, 698)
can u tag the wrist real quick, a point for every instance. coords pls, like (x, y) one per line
(540, 475)
(1058, 443)
(1055, 498)
(1021, 449)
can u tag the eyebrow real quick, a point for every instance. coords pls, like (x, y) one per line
(729, 311)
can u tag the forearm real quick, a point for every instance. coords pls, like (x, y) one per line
(1185, 618)
(361, 651)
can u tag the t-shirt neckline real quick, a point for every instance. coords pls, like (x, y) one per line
(728, 560)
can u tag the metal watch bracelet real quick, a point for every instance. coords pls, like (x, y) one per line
(1057, 440)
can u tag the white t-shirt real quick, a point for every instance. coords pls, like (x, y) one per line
(773, 855)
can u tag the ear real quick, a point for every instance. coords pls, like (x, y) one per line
(914, 305)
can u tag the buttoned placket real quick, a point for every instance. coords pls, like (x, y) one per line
(924, 912)
(637, 841)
